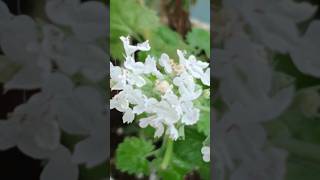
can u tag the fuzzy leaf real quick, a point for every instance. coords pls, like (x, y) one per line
(188, 154)
(190, 148)
(131, 155)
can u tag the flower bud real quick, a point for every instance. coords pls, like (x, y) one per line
(177, 68)
(206, 93)
(162, 86)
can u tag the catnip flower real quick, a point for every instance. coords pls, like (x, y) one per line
(205, 150)
(195, 67)
(130, 49)
(159, 89)
(164, 61)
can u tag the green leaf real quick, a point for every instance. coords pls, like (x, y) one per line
(165, 40)
(188, 154)
(203, 124)
(177, 170)
(204, 171)
(170, 174)
(199, 38)
(181, 166)
(190, 149)
(128, 17)
(131, 155)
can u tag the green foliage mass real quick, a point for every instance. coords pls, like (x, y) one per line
(199, 39)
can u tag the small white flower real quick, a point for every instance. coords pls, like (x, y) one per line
(192, 65)
(205, 79)
(159, 129)
(195, 67)
(118, 78)
(191, 114)
(135, 67)
(165, 111)
(130, 49)
(187, 87)
(174, 101)
(144, 122)
(134, 96)
(205, 153)
(151, 67)
(128, 116)
(135, 79)
(172, 132)
(164, 61)
(146, 106)
(154, 122)
(119, 102)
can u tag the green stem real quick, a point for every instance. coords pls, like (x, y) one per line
(153, 152)
(168, 154)
(298, 147)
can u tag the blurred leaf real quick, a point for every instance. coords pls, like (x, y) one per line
(141, 23)
(170, 174)
(165, 40)
(203, 125)
(127, 17)
(204, 171)
(177, 170)
(7, 69)
(131, 155)
(199, 39)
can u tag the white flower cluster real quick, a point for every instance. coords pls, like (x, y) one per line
(175, 82)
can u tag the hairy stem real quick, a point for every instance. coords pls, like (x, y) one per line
(168, 154)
